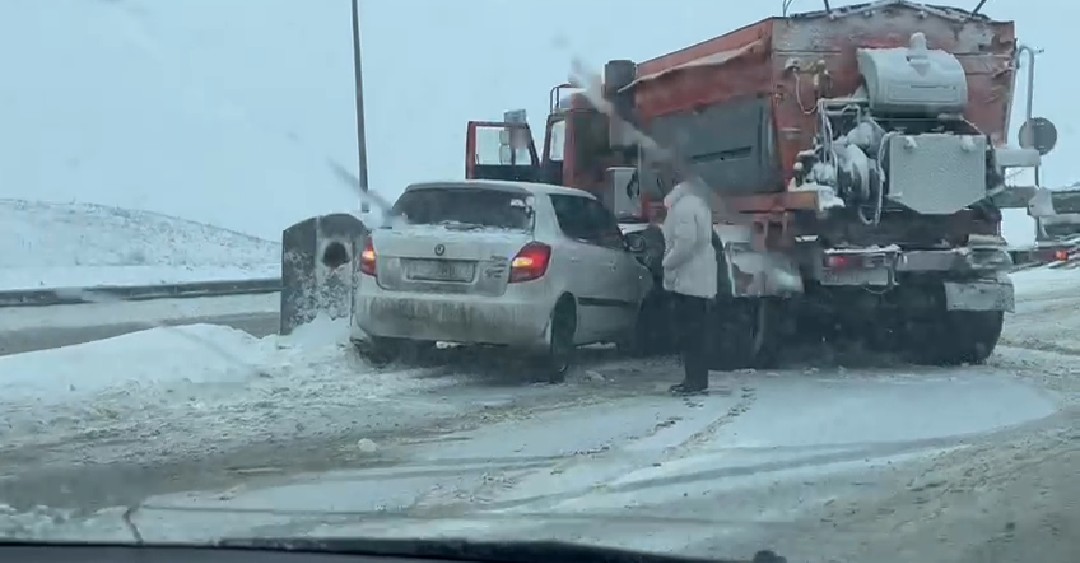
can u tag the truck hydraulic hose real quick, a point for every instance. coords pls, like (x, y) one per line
(879, 199)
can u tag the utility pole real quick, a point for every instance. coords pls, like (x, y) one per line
(361, 140)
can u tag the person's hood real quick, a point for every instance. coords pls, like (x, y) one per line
(681, 190)
(678, 192)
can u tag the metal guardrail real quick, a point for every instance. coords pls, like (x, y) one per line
(77, 295)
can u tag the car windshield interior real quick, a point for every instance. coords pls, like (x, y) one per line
(469, 207)
(255, 300)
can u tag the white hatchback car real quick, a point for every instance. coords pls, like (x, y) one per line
(538, 267)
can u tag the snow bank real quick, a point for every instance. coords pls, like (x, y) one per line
(1046, 280)
(197, 385)
(78, 244)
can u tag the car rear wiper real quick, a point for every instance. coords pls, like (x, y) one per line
(447, 549)
(456, 226)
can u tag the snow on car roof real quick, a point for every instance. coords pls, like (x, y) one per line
(507, 185)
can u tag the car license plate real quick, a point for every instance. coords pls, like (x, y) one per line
(441, 270)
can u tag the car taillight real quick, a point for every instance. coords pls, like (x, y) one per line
(1061, 256)
(530, 263)
(367, 259)
(839, 261)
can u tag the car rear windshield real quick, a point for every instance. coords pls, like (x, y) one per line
(465, 207)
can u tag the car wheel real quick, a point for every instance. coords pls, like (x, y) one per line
(382, 350)
(559, 357)
(378, 350)
(418, 352)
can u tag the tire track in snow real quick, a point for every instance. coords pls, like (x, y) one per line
(748, 396)
(606, 458)
(1037, 345)
(543, 502)
(495, 484)
(315, 430)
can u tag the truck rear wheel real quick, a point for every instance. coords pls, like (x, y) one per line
(745, 330)
(956, 337)
(745, 333)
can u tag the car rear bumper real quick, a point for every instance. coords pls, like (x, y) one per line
(451, 318)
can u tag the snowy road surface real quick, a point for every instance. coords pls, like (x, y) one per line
(43, 328)
(721, 476)
(293, 437)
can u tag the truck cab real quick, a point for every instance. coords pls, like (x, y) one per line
(577, 151)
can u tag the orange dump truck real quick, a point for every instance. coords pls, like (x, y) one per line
(859, 155)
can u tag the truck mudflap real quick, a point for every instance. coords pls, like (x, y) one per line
(981, 295)
(759, 274)
(745, 271)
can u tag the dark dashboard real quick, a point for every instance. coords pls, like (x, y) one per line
(341, 551)
(101, 554)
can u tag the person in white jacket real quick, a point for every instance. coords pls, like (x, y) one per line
(690, 277)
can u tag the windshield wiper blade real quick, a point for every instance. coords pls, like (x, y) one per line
(460, 226)
(451, 549)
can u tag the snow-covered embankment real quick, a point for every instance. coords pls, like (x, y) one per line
(45, 245)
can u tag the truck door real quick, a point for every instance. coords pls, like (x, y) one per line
(500, 150)
(552, 167)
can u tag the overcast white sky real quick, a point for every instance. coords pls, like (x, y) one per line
(225, 111)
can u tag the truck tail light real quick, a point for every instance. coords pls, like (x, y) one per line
(842, 261)
(530, 263)
(367, 258)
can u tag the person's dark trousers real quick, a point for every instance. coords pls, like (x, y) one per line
(690, 321)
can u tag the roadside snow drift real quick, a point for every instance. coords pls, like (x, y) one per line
(79, 244)
(1046, 281)
(186, 389)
